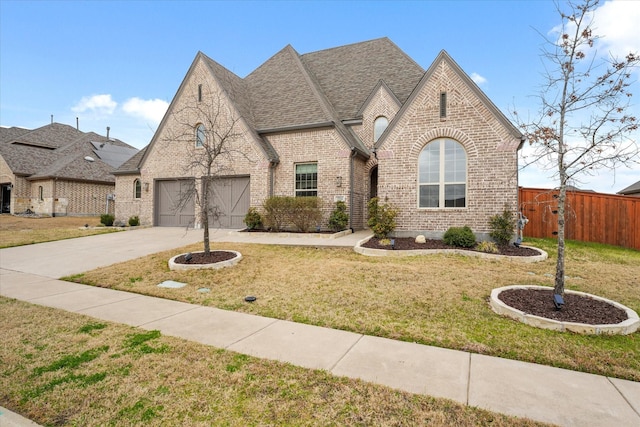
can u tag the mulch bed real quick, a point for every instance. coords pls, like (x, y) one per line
(202, 258)
(409, 243)
(577, 308)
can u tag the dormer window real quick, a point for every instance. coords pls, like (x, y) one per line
(379, 126)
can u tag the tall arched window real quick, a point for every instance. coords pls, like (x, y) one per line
(200, 135)
(379, 125)
(40, 193)
(442, 175)
(137, 189)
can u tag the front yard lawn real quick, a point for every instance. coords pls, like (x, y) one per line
(437, 300)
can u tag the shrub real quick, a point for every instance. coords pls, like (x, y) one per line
(252, 219)
(488, 247)
(502, 227)
(306, 213)
(134, 221)
(460, 236)
(339, 218)
(277, 211)
(107, 219)
(382, 218)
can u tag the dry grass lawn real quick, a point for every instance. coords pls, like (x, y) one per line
(437, 300)
(18, 231)
(60, 368)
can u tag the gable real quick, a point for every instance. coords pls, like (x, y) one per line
(468, 110)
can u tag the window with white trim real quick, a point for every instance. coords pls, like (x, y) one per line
(379, 126)
(442, 175)
(200, 135)
(137, 189)
(306, 179)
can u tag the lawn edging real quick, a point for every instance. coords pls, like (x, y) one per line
(174, 266)
(413, 252)
(626, 327)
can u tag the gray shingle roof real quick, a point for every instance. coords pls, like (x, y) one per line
(348, 74)
(632, 189)
(59, 151)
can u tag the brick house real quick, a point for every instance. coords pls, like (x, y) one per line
(346, 123)
(58, 170)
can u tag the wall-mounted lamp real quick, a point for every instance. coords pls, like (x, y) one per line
(338, 181)
(146, 186)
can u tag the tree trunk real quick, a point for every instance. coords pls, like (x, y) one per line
(205, 214)
(562, 197)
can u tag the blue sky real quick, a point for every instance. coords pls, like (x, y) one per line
(119, 64)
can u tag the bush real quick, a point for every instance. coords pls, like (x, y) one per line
(277, 211)
(306, 213)
(460, 236)
(339, 218)
(107, 219)
(382, 218)
(134, 221)
(488, 247)
(502, 227)
(252, 219)
(300, 212)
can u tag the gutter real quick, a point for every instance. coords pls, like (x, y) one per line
(295, 127)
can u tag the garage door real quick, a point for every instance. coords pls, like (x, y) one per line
(169, 212)
(231, 196)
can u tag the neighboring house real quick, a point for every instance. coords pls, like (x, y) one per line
(58, 170)
(346, 123)
(633, 190)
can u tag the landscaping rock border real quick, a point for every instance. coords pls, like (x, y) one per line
(400, 253)
(626, 327)
(174, 266)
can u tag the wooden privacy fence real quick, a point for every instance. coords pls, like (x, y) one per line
(590, 217)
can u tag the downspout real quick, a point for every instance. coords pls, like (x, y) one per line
(272, 173)
(351, 186)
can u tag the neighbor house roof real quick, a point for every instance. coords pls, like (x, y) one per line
(61, 151)
(632, 189)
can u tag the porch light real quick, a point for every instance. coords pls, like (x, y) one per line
(146, 186)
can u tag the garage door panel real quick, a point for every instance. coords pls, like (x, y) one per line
(170, 210)
(232, 197)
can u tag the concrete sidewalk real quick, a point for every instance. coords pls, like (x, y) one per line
(542, 393)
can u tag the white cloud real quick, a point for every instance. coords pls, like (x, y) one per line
(149, 109)
(98, 104)
(478, 79)
(617, 21)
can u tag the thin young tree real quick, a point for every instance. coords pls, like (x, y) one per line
(210, 130)
(584, 121)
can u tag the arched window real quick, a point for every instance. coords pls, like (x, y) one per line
(379, 125)
(442, 175)
(200, 135)
(137, 189)
(40, 193)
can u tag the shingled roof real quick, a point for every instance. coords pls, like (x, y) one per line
(632, 189)
(60, 151)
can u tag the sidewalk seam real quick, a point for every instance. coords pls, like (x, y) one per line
(623, 396)
(345, 353)
(252, 334)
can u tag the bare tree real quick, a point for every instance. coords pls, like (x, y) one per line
(583, 123)
(210, 128)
